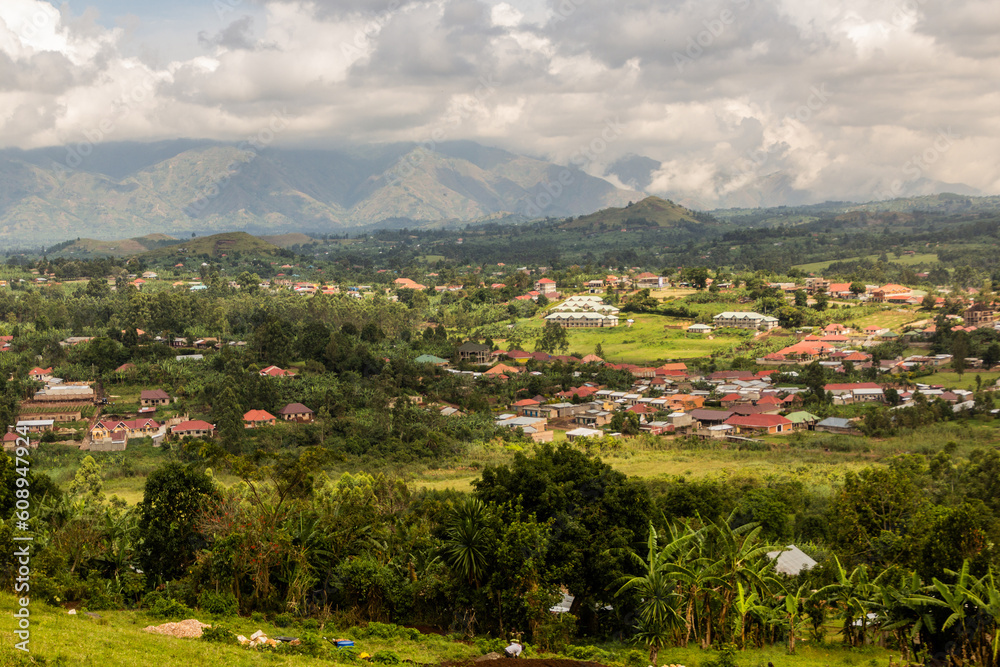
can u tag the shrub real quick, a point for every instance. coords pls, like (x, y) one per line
(282, 620)
(223, 604)
(386, 658)
(218, 634)
(170, 608)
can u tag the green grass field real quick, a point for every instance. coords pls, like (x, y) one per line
(647, 341)
(905, 260)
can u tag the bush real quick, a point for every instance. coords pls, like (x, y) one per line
(222, 604)
(310, 645)
(170, 608)
(282, 620)
(386, 658)
(218, 634)
(385, 631)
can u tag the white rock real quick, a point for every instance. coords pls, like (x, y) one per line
(259, 633)
(72, 612)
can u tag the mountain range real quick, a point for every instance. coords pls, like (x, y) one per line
(127, 189)
(771, 189)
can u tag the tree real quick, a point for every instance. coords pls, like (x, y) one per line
(553, 338)
(590, 506)
(959, 352)
(801, 298)
(929, 302)
(991, 356)
(857, 288)
(599, 351)
(87, 481)
(228, 416)
(626, 423)
(173, 497)
(655, 588)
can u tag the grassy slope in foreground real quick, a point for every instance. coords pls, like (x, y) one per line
(117, 639)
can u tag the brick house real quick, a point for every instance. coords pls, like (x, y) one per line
(195, 428)
(258, 418)
(152, 397)
(296, 412)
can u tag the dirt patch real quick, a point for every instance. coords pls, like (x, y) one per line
(190, 628)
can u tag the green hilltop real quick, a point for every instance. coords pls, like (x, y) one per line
(215, 245)
(650, 212)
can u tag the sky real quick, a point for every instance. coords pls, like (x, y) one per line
(851, 99)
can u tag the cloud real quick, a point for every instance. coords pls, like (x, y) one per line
(839, 95)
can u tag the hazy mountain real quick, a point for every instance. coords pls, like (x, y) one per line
(122, 190)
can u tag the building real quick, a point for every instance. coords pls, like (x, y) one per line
(258, 418)
(978, 315)
(474, 353)
(40, 374)
(153, 397)
(194, 428)
(123, 429)
(743, 320)
(275, 372)
(584, 320)
(837, 425)
(296, 412)
(760, 423)
(791, 561)
(546, 286)
(35, 425)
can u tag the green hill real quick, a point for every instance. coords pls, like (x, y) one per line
(87, 248)
(650, 212)
(216, 245)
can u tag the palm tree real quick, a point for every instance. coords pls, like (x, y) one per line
(468, 540)
(655, 587)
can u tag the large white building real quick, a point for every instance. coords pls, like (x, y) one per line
(739, 320)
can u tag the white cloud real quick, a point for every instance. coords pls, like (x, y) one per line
(893, 75)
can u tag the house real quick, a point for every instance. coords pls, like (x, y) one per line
(791, 561)
(296, 412)
(593, 418)
(194, 428)
(150, 397)
(699, 329)
(122, 429)
(406, 283)
(802, 420)
(583, 433)
(978, 315)
(35, 425)
(40, 374)
(431, 359)
(474, 353)
(525, 404)
(258, 418)
(744, 320)
(836, 425)
(760, 423)
(649, 281)
(275, 372)
(546, 286)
